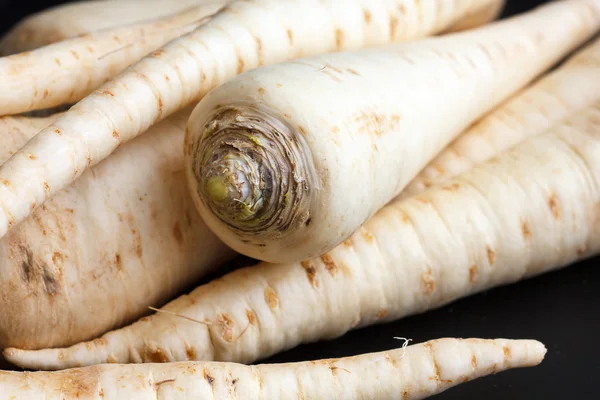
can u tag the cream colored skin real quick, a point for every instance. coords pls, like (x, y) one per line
(416, 372)
(244, 35)
(84, 17)
(571, 87)
(124, 237)
(366, 122)
(482, 16)
(66, 72)
(531, 210)
(16, 131)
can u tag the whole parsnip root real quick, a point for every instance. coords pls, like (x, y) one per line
(533, 209)
(84, 17)
(287, 161)
(66, 72)
(244, 35)
(123, 237)
(414, 372)
(571, 87)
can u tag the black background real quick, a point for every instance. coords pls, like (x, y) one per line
(559, 308)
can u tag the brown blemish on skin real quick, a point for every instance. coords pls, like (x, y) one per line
(157, 356)
(451, 188)
(525, 230)
(57, 259)
(436, 368)
(57, 61)
(335, 129)
(251, 317)
(225, 324)
(46, 187)
(5, 182)
(404, 217)
(108, 93)
(339, 38)
(367, 16)
(375, 123)
(474, 361)
(581, 251)
(240, 65)
(259, 50)
(405, 395)
(157, 53)
(50, 283)
(160, 105)
(554, 207)
(271, 298)
(366, 235)
(393, 26)
(491, 255)
(31, 156)
(207, 376)
(290, 36)
(177, 233)
(261, 91)
(382, 313)
(75, 54)
(45, 94)
(348, 243)
(329, 264)
(115, 134)
(311, 273)
(507, 353)
(473, 272)
(190, 353)
(158, 384)
(118, 264)
(352, 71)
(428, 281)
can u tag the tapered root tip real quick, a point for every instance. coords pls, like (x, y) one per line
(46, 359)
(251, 171)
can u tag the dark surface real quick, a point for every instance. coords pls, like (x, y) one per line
(559, 309)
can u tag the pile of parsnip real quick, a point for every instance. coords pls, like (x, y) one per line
(374, 158)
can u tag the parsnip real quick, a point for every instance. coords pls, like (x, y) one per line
(414, 372)
(124, 237)
(285, 162)
(66, 21)
(533, 209)
(571, 87)
(66, 72)
(244, 35)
